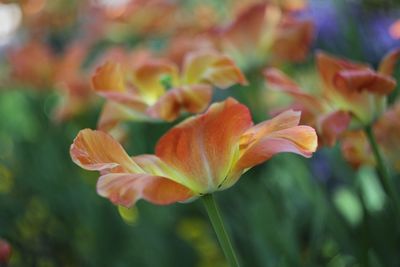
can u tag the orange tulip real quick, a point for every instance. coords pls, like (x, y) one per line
(356, 148)
(154, 90)
(352, 93)
(201, 155)
(319, 113)
(356, 87)
(263, 31)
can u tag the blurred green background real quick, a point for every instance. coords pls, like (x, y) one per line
(289, 211)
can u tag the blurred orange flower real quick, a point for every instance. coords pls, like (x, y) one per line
(33, 64)
(42, 16)
(286, 5)
(264, 31)
(201, 155)
(356, 148)
(154, 90)
(352, 93)
(143, 17)
(356, 87)
(72, 83)
(183, 43)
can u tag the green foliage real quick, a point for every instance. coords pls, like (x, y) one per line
(288, 212)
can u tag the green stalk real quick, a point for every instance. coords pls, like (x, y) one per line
(383, 171)
(218, 225)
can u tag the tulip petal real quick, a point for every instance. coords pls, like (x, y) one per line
(328, 66)
(217, 69)
(113, 113)
(356, 150)
(168, 106)
(293, 40)
(278, 80)
(348, 85)
(244, 32)
(333, 125)
(280, 134)
(351, 81)
(203, 148)
(108, 78)
(127, 99)
(125, 189)
(96, 150)
(155, 166)
(193, 99)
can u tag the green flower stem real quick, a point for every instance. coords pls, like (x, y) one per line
(383, 171)
(218, 225)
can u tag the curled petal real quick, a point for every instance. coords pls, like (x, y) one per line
(280, 134)
(125, 189)
(333, 125)
(217, 69)
(108, 78)
(388, 63)
(95, 150)
(203, 148)
(354, 87)
(350, 81)
(282, 121)
(287, 119)
(328, 66)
